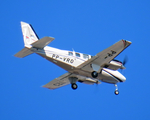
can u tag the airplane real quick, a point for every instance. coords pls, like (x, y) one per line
(81, 67)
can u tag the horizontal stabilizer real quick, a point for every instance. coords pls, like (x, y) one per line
(24, 52)
(42, 42)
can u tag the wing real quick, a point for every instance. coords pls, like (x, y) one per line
(58, 82)
(104, 57)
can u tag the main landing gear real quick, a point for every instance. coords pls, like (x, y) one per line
(74, 86)
(94, 74)
(73, 81)
(116, 91)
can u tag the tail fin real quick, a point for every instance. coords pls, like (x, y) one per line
(29, 34)
(29, 37)
(31, 40)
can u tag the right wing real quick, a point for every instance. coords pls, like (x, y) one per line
(58, 82)
(103, 58)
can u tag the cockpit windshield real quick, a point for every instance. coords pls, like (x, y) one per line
(85, 56)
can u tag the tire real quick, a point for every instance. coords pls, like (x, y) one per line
(116, 92)
(74, 86)
(94, 74)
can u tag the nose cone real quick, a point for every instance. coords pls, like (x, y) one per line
(116, 74)
(122, 78)
(119, 76)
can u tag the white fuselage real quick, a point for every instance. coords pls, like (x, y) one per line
(70, 60)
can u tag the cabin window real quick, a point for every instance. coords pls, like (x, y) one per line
(85, 56)
(77, 54)
(70, 53)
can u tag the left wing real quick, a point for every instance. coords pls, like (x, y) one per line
(59, 82)
(103, 58)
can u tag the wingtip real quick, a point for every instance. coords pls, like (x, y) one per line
(129, 42)
(44, 86)
(126, 43)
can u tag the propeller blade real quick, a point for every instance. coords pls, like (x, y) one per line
(125, 60)
(124, 63)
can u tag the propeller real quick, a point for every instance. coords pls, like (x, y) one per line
(97, 86)
(125, 60)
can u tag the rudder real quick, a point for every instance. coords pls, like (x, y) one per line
(29, 34)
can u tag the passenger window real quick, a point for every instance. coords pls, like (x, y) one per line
(77, 54)
(85, 56)
(70, 53)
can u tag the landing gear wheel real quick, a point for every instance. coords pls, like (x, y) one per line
(94, 74)
(116, 92)
(74, 86)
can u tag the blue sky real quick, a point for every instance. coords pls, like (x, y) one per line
(87, 26)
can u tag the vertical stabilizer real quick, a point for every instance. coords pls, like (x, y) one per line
(31, 40)
(29, 34)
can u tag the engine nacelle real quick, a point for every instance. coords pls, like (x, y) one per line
(89, 81)
(114, 65)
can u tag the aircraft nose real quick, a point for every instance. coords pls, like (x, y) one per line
(122, 78)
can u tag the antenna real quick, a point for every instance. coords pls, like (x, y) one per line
(73, 50)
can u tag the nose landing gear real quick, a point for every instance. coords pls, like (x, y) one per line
(116, 91)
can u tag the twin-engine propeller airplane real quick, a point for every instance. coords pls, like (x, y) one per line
(82, 68)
